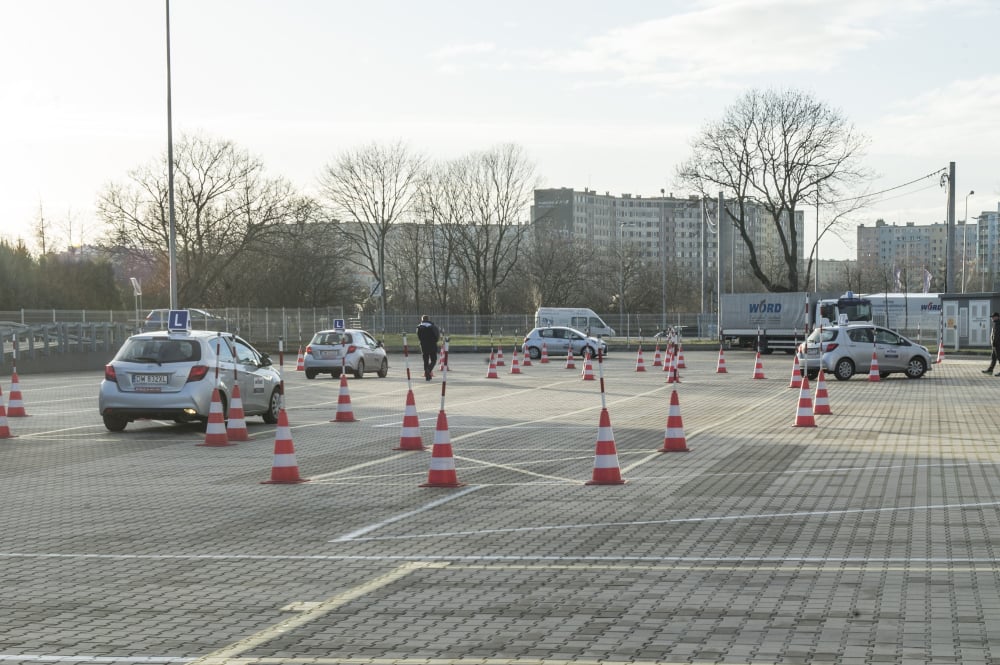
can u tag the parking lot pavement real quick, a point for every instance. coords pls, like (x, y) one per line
(870, 538)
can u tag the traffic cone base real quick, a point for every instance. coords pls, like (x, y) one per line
(345, 413)
(606, 468)
(657, 358)
(873, 371)
(500, 362)
(821, 402)
(570, 362)
(491, 373)
(674, 440)
(804, 415)
(15, 405)
(525, 357)
(215, 429)
(545, 354)
(796, 381)
(442, 471)
(588, 369)
(639, 364)
(758, 370)
(720, 367)
(284, 469)
(300, 362)
(4, 428)
(410, 438)
(515, 367)
(236, 428)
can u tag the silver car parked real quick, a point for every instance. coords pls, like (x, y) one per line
(172, 375)
(331, 351)
(847, 350)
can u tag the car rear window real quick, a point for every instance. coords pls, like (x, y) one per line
(160, 350)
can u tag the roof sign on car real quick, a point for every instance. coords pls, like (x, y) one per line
(179, 320)
(338, 325)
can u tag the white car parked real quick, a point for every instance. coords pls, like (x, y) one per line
(332, 351)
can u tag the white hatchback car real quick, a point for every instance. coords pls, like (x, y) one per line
(353, 350)
(847, 350)
(172, 375)
(558, 340)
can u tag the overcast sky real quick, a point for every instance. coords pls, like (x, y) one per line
(599, 94)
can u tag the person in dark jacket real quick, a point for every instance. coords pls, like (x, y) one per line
(994, 343)
(429, 335)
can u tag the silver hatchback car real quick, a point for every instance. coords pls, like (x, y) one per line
(558, 340)
(331, 351)
(172, 375)
(847, 350)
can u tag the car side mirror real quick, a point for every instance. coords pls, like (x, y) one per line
(265, 360)
(378, 344)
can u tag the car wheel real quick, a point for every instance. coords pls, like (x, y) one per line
(585, 350)
(359, 371)
(273, 406)
(115, 423)
(844, 369)
(883, 375)
(812, 374)
(916, 368)
(383, 369)
(311, 373)
(335, 374)
(534, 352)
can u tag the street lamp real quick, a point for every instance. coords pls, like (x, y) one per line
(965, 237)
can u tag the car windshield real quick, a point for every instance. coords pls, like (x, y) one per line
(160, 350)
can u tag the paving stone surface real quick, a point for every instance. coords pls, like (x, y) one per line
(872, 537)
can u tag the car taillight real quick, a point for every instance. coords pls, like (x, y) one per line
(309, 349)
(197, 373)
(109, 374)
(352, 348)
(831, 346)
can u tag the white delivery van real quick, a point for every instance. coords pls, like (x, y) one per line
(581, 318)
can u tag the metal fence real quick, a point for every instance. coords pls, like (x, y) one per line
(38, 340)
(264, 326)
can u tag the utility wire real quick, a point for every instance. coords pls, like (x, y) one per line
(891, 189)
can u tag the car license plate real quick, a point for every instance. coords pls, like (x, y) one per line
(812, 352)
(149, 379)
(335, 353)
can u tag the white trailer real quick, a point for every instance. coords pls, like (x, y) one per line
(913, 314)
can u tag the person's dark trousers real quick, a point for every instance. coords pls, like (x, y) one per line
(430, 359)
(993, 361)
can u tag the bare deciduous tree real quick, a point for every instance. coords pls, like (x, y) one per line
(370, 189)
(224, 206)
(780, 151)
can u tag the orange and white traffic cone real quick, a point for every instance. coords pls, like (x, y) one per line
(873, 371)
(570, 362)
(821, 403)
(443, 363)
(284, 468)
(300, 362)
(680, 356)
(491, 372)
(500, 362)
(545, 354)
(442, 471)
(758, 369)
(796, 381)
(668, 357)
(607, 471)
(525, 357)
(4, 428)
(236, 428)
(588, 368)
(940, 353)
(640, 366)
(657, 358)
(15, 405)
(674, 440)
(409, 438)
(720, 368)
(673, 376)
(345, 413)
(215, 430)
(804, 415)
(515, 367)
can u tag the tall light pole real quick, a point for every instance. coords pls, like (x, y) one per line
(663, 260)
(621, 274)
(172, 248)
(965, 237)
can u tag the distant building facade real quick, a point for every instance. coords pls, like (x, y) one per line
(667, 230)
(904, 252)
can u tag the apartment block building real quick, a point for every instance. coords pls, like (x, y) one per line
(682, 232)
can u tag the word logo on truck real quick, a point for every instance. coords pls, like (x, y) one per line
(931, 307)
(764, 307)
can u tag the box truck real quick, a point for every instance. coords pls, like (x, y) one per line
(907, 312)
(780, 321)
(581, 318)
